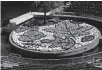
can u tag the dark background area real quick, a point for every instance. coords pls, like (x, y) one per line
(12, 9)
